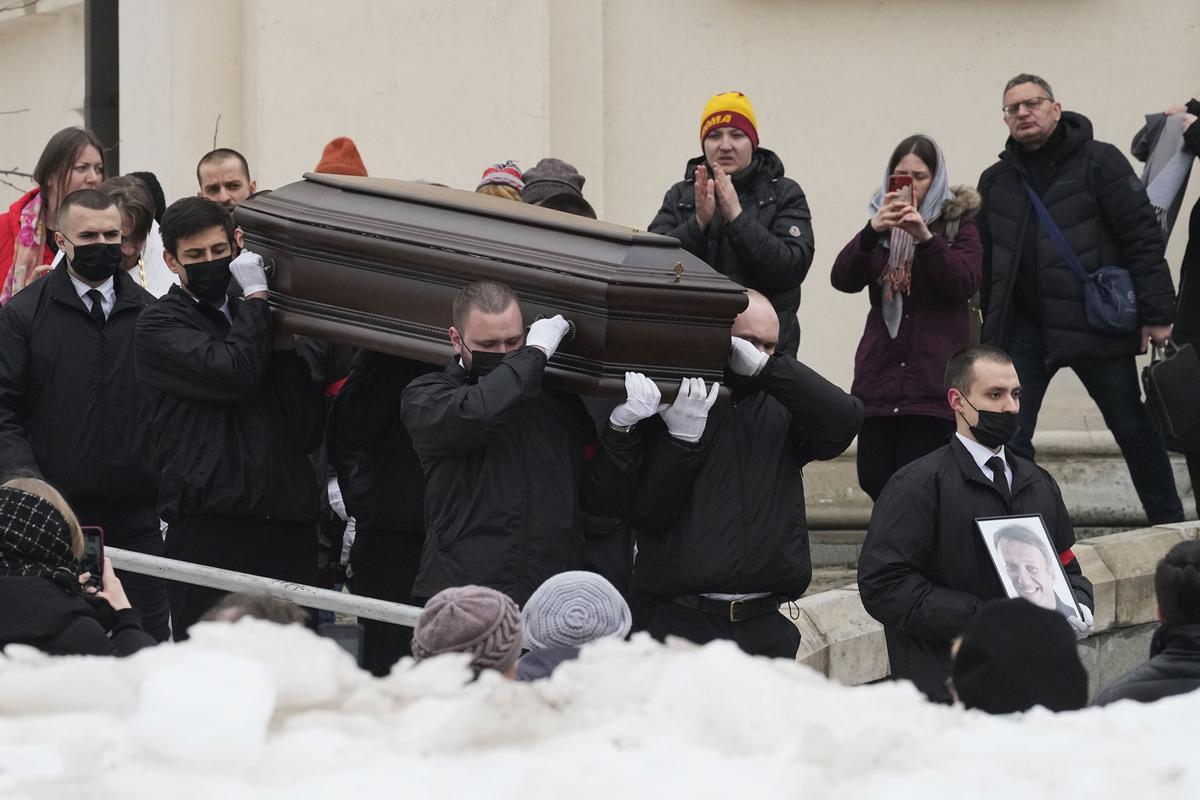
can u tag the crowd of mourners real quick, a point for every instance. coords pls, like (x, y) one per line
(146, 390)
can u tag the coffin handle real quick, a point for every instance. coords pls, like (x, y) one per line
(570, 337)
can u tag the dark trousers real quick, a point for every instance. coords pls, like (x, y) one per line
(771, 634)
(1113, 385)
(385, 564)
(135, 528)
(271, 548)
(885, 444)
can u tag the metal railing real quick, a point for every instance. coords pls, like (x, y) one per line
(230, 581)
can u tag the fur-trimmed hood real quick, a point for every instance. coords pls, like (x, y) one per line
(966, 201)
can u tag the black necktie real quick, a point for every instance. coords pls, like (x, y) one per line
(97, 307)
(996, 465)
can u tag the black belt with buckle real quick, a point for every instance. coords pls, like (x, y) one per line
(732, 610)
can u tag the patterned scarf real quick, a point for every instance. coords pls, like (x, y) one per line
(29, 253)
(35, 539)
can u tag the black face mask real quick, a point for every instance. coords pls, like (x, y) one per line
(995, 428)
(96, 261)
(483, 363)
(209, 280)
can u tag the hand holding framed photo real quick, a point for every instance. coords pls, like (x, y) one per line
(1028, 563)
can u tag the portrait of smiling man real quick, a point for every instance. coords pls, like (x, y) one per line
(1030, 570)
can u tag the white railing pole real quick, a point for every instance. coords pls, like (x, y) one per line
(230, 581)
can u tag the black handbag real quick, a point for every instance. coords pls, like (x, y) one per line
(1170, 382)
(1109, 299)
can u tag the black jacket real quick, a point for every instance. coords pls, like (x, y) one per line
(379, 473)
(71, 408)
(41, 614)
(1187, 330)
(1102, 209)
(769, 247)
(232, 419)
(504, 463)
(727, 514)
(924, 569)
(1174, 668)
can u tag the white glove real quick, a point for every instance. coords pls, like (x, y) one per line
(1085, 626)
(247, 268)
(687, 416)
(641, 401)
(547, 334)
(745, 359)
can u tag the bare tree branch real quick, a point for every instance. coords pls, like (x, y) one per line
(16, 172)
(14, 186)
(216, 128)
(15, 111)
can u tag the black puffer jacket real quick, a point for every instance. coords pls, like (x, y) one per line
(1102, 209)
(504, 463)
(727, 514)
(1174, 668)
(924, 570)
(39, 613)
(71, 408)
(233, 421)
(768, 248)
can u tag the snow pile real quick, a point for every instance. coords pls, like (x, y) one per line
(254, 710)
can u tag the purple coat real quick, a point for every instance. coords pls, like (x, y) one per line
(904, 376)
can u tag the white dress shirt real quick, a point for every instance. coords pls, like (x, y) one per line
(108, 294)
(981, 455)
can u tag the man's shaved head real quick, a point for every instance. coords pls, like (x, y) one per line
(758, 324)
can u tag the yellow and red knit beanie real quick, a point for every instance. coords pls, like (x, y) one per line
(730, 110)
(341, 158)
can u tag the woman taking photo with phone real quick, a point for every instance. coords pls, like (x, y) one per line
(920, 259)
(47, 603)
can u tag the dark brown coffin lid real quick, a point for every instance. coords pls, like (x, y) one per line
(427, 194)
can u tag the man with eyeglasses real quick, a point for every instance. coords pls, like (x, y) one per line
(1034, 303)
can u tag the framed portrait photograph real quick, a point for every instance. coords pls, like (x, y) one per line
(1027, 562)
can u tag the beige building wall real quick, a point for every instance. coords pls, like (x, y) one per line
(438, 90)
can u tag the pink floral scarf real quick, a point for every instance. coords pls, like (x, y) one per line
(30, 249)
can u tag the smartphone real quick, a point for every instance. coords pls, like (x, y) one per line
(93, 555)
(902, 184)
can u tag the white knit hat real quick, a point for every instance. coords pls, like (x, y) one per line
(572, 609)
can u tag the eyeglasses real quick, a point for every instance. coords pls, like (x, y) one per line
(1033, 104)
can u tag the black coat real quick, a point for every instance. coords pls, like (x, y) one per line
(924, 570)
(727, 514)
(71, 408)
(1174, 668)
(504, 463)
(768, 248)
(39, 613)
(233, 420)
(1187, 329)
(379, 473)
(1102, 209)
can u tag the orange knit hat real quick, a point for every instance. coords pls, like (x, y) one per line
(729, 110)
(341, 158)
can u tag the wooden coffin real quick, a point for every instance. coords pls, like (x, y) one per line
(376, 263)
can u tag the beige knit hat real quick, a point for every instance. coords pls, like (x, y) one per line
(476, 620)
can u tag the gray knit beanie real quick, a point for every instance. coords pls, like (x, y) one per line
(476, 620)
(572, 609)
